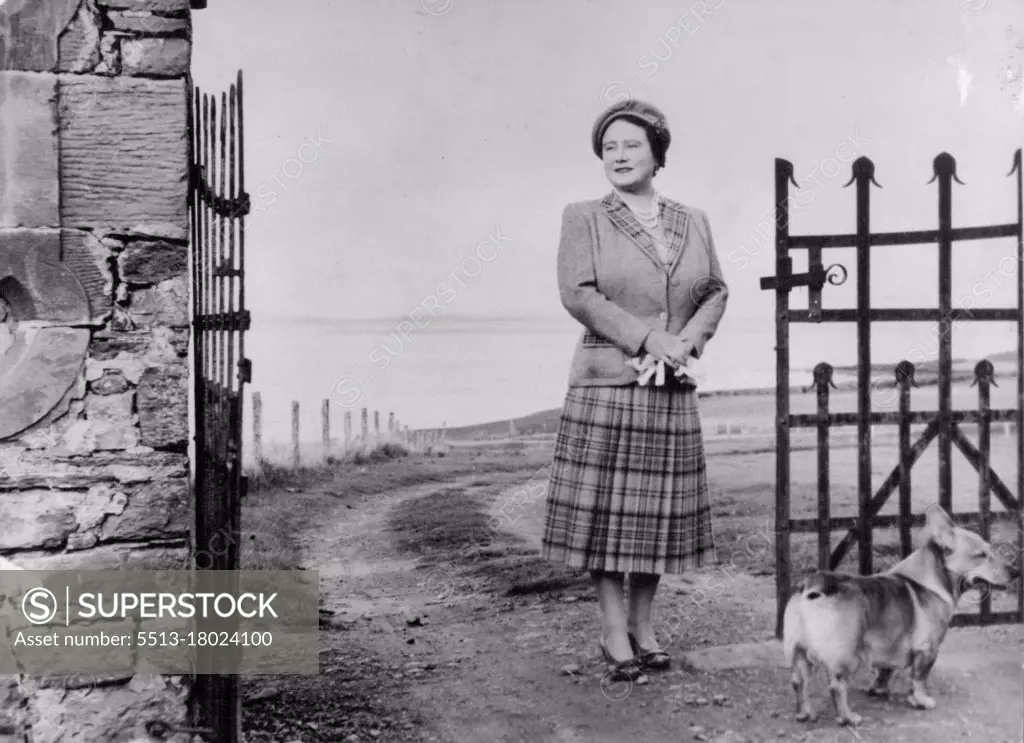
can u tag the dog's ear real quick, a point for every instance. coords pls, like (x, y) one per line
(941, 527)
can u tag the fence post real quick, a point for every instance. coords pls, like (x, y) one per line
(257, 430)
(823, 380)
(326, 414)
(444, 428)
(983, 371)
(348, 430)
(905, 378)
(296, 459)
(391, 425)
(407, 440)
(376, 427)
(511, 429)
(365, 429)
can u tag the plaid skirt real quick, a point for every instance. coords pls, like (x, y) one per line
(628, 490)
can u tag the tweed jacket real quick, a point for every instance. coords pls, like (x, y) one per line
(612, 281)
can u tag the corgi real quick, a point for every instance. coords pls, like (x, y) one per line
(892, 620)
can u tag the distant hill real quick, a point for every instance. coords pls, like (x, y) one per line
(736, 404)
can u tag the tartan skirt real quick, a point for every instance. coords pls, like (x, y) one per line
(628, 489)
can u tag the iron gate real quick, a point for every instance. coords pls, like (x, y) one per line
(942, 424)
(217, 207)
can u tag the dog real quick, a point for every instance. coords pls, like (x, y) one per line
(892, 620)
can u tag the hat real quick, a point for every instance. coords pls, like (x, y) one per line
(636, 111)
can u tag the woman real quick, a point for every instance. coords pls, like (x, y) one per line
(628, 489)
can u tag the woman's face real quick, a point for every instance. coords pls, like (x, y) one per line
(628, 160)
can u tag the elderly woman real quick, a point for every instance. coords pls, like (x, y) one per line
(628, 491)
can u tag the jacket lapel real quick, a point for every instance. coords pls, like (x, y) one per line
(623, 219)
(675, 221)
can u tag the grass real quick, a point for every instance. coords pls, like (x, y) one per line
(284, 503)
(743, 498)
(448, 525)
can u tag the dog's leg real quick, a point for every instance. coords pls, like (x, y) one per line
(801, 685)
(838, 685)
(922, 666)
(880, 686)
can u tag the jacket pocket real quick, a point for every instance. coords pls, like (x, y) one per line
(606, 361)
(593, 340)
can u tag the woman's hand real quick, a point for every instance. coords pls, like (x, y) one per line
(668, 348)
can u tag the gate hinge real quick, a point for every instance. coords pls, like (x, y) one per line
(238, 320)
(245, 370)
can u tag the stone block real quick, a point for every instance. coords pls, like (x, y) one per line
(30, 31)
(112, 423)
(107, 713)
(96, 434)
(78, 47)
(110, 408)
(162, 404)
(149, 24)
(63, 276)
(165, 304)
(168, 346)
(38, 519)
(124, 154)
(167, 7)
(112, 382)
(37, 375)
(28, 150)
(88, 258)
(129, 366)
(67, 660)
(152, 261)
(156, 57)
(157, 230)
(47, 519)
(37, 469)
(110, 56)
(108, 344)
(110, 557)
(156, 510)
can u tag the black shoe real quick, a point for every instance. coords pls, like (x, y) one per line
(657, 660)
(623, 670)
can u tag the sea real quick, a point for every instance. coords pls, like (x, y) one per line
(463, 370)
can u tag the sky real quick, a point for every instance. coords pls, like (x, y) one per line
(392, 144)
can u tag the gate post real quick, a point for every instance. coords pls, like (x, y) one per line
(823, 380)
(864, 175)
(783, 269)
(983, 372)
(1020, 374)
(905, 379)
(944, 167)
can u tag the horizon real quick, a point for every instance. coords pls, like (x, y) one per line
(400, 159)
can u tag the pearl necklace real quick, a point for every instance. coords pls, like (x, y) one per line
(648, 218)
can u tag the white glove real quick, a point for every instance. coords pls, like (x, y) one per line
(694, 370)
(649, 368)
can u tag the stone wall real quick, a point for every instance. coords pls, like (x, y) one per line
(94, 469)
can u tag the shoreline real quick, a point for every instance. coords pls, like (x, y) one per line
(757, 403)
(736, 411)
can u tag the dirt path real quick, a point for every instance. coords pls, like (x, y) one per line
(424, 643)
